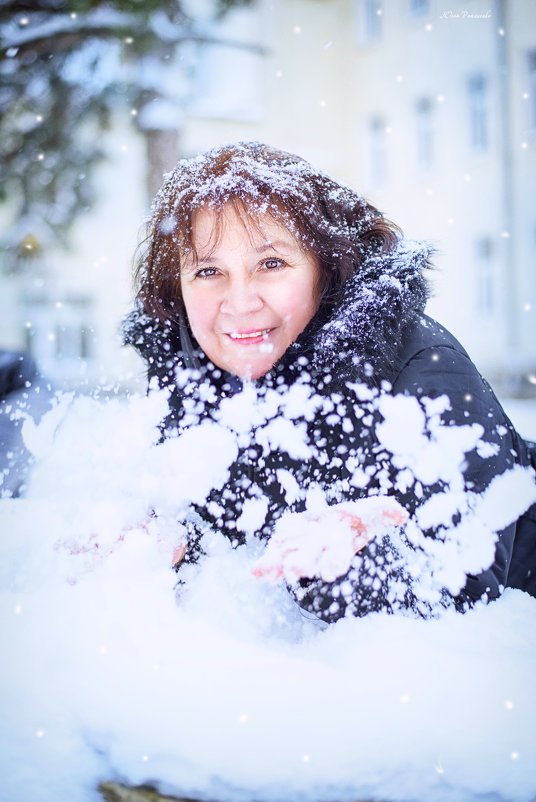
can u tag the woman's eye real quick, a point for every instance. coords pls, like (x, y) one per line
(272, 264)
(206, 272)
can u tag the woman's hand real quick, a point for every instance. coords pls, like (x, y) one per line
(179, 553)
(166, 533)
(169, 534)
(323, 545)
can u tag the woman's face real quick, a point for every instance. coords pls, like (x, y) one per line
(250, 294)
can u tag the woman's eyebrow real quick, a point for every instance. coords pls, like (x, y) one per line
(270, 245)
(274, 245)
(210, 257)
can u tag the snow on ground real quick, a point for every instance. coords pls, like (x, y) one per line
(232, 693)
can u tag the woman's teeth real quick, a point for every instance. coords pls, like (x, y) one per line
(234, 335)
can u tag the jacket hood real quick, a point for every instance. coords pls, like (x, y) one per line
(360, 338)
(356, 339)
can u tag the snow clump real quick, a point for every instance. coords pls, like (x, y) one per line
(231, 692)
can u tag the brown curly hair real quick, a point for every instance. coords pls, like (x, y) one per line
(329, 220)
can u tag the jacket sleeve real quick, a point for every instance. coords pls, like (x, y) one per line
(378, 579)
(444, 370)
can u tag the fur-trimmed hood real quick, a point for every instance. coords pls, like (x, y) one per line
(356, 339)
(360, 339)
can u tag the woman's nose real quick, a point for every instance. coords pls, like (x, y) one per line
(241, 297)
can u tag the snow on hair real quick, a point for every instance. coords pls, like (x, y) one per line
(329, 219)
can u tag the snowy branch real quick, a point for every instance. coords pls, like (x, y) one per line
(67, 31)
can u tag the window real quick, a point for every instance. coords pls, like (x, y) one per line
(59, 334)
(478, 112)
(371, 20)
(378, 150)
(23, 255)
(72, 341)
(424, 112)
(419, 8)
(485, 282)
(532, 91)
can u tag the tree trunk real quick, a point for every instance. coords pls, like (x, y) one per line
(162, 155)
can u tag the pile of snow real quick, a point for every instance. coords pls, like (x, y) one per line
(229, 691)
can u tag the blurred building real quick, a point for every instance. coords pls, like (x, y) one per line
(428, 107)
(447, 132)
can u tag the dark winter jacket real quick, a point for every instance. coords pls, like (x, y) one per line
(23, 392)
(377, 337)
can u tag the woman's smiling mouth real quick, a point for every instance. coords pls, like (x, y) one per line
(251, 337)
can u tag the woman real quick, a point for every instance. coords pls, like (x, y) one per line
(261, 271)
